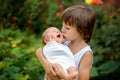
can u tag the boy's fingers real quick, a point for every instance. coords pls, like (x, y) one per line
(56, 67)
(54, 73)
(73, 75)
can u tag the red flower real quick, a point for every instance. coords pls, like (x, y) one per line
(28, 23)
(12, 20)
(42, 3)
(58, 14)
(96, 2)
(59, 0)
(111, 15)
(60, 7)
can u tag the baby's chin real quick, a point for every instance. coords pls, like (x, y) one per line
(60, 41)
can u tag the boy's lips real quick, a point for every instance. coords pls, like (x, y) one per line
(63, 36)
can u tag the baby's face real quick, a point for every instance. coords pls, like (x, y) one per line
(55, 34)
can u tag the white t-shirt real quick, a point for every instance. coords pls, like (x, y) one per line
(79, 55)
(59, 53)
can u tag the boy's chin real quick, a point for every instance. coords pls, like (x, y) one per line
(66, 39)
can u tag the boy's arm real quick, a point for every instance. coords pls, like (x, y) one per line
(84, 66)
(63, 75)
(47, 65)
(46, 77)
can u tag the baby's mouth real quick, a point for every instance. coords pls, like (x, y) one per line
(58, 36)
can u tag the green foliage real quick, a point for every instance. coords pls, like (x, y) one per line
(105, 44)
(33, 15)
(21, 25)
(17, 56)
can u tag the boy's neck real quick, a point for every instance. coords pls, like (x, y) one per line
(76, 46)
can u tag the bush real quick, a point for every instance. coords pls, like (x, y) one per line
(33, 15)
(106, 45)
(17, 56)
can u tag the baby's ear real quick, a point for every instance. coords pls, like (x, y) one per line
(45, 40)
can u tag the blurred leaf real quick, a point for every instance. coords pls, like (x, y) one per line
(94, 72)
(16, 51)
(8, 61)
(4, 45)
(117, 56)
(97, 59)
(2, 65)
(12, 69)
(16, 41)
(108, 67)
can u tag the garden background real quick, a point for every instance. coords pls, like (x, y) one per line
(23, 21)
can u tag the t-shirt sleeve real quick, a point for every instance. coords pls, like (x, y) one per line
(66, 43)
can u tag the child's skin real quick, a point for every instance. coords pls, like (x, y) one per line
(52, 33)
(78, 23)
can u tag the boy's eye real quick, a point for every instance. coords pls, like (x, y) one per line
(67, 28)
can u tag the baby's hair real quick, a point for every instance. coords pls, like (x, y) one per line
(44, 34)
(82, 18)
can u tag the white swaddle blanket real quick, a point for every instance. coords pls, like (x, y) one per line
(59, 53)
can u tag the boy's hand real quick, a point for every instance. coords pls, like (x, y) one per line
(63, 76)
(51, 73)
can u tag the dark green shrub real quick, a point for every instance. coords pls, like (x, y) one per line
(17, 56)
(106, 45)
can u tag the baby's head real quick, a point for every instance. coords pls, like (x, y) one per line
(54, 33)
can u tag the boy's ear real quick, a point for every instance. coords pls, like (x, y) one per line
(45, 40)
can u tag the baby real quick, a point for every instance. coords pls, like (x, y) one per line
(55, 52)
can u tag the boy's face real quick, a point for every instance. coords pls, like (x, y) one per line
(55, 34)
(70, 32)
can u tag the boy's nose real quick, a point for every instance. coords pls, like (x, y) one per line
(62, 30)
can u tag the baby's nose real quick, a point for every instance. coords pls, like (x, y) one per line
(57, 31)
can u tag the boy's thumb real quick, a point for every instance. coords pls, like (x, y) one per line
(73, 75)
